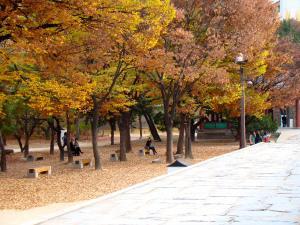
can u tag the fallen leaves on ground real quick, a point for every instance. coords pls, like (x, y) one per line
(67, 184)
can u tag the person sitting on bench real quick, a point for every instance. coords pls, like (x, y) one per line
(77, 148)
(149, 146)
(72, 146)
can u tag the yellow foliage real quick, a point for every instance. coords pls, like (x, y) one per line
(51, 97)
(2, 99)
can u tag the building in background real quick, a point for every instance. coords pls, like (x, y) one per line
(289, 9)
(288, 116)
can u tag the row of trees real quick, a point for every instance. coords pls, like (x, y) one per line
(105, 59)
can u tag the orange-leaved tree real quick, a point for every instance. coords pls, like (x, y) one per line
(172, 67)
(54, 98)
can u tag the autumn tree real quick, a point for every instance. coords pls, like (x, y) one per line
(134, 27)
(53, 99)
(27, 29)
(3, 166)
(172, 67)
(284, 84)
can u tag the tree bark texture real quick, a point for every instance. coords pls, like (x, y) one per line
(126, 117)
(52, 142)
(123, 137)
(3, 155)
(188, 140)
(26, 136)
(152, 127)
(26, 145)
(112, 124)
(94, 126)
(30, 123)
(169, 153)
(140, 126)
(19, 139)
(180, 141)
(57, 128)
(4, 139)
(47, 132)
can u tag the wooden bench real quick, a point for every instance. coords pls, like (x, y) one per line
(157, 161)
(31, 158)
(9, 151)
(82, 162)
(34, 172)
(39, 158)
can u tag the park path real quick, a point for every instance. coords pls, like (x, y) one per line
(43, 147)
(259, 185)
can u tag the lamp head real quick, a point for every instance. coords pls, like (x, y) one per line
(240, 59)
(249, 83)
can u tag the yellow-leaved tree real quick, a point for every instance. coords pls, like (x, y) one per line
(52, 98)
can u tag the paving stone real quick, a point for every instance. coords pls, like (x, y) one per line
(259, 185)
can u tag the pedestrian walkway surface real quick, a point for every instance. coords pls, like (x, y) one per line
(259, 185)
(102, 141)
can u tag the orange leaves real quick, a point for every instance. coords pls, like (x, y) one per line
(81, 48)
(51, 97)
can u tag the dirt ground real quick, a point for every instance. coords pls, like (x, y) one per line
(69, 185)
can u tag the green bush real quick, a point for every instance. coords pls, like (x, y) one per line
(265, 123)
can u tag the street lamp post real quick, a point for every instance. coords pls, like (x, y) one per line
(240, 59)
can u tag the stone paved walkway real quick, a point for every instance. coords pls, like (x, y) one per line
(102, 141)
(259, 185)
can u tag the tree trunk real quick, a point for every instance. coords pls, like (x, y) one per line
(180, 141)
(29, 126)
(47, 132)
(4, 140)
(188, 140)
(169, 129)
(126, 118)
(26, 145)
(112, 124)
(26, 131)
(94, 126)
(19, 139)
(57, 129)
(140, 126)
(3, 155)
(123, 137)
(52, 136)
(61, 150)
(152, 127)
(77, 125)
(70, 154)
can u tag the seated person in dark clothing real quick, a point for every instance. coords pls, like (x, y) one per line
(257, 138)
(149, 146)
(72, 146)
(77, 148)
